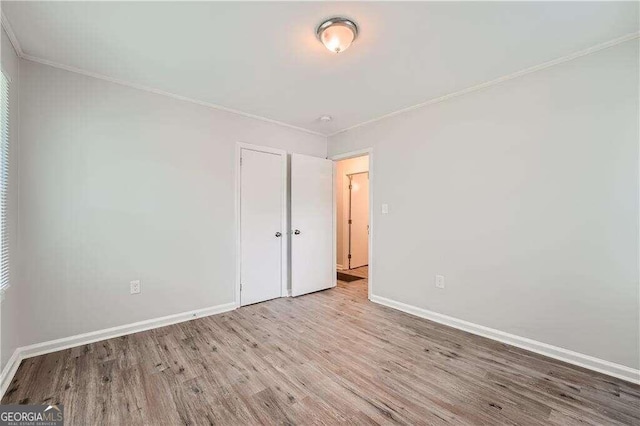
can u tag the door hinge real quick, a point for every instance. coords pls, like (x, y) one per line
(350, 221)
(349, 257)
(241, 161)
(350, 186)
(240, 286)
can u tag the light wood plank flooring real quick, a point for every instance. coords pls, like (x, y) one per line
(326, 358)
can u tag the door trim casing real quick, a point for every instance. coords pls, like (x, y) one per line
(284, 267)
(345, 156)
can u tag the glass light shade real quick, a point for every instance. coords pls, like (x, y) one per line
(337, 34)
(337, 38)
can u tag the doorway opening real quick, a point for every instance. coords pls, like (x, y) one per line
(352, 192)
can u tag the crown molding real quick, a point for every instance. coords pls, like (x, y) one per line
(593, 49)
(12, 36)
(535, 68)
(16, 45)
(163, 93)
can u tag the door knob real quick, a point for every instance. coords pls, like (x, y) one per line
(297, 232)
(278, 234)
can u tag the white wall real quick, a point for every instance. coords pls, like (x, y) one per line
(12, 307)
(344, 168)
(119, 184)
(525, 196)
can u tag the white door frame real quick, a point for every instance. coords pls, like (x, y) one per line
(285, 225)
(344, 156)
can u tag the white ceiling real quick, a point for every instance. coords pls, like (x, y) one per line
(262, 58)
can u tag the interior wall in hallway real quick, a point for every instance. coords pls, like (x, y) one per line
(344, 168)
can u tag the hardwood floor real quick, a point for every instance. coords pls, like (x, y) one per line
(325, 358)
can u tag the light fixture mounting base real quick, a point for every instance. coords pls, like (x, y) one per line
(337, 21)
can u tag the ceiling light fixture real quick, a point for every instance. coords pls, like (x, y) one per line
(337, 34)
(326, 118)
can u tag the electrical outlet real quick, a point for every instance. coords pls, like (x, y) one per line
(385, 209)
(135, 287)
(440, 281)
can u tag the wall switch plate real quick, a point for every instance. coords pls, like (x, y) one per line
(440, 281)
(135, 287)
(385, 209)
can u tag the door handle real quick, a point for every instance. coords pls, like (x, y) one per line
(297, 232)
(278, 234)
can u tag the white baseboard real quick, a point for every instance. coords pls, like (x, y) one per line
(9, 371)
(571, 357)
(95, 336)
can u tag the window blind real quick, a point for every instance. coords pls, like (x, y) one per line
(4, 183)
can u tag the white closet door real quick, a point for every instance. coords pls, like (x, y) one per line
(261, 233)
(359, 230)
(312, 258)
